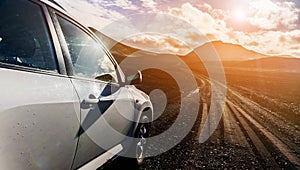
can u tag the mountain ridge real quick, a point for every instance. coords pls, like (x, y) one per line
(231, 55)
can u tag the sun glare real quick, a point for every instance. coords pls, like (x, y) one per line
(239, 15)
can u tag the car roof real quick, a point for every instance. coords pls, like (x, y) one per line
(53, 4)
(56, 6)
(56, 3)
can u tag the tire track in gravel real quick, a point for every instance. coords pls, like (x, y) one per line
(247, 137)
(271, 142)
(240, 128)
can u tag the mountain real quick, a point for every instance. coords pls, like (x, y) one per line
(119, 50)
(231, 55)
(228, 51)
(278, 63)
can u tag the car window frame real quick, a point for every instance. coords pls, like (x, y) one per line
(60, 67)
(66, 54)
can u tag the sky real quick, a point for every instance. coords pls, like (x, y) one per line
(267, 26)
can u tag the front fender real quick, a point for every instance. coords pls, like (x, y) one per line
(143, 104)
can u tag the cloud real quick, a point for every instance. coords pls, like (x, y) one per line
(269, 42)
(275, 22)
(158, 43)
(267, 14)
(203, 21)
(149, 4)
(207, 6)
(212, 22)
(124, 4)
(90, 12)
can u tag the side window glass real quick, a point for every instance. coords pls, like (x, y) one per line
(24, 36)
(88, 58)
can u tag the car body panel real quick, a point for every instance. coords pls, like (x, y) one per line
(38, 121)
(104, 124)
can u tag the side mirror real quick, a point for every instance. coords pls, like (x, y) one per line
(135, 78)
(105, 77)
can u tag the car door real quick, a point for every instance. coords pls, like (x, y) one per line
(39, 108)
(107, 109)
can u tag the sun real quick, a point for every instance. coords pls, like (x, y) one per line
(239, 15)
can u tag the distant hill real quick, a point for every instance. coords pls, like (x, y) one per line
(229, 52)
(119, 50)
(226, 51)
(231, 55)
(277, 63)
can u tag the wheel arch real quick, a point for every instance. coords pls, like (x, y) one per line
(144, 109)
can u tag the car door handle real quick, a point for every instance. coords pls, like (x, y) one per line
(90, 101)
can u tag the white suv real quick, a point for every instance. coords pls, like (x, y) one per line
(64, 103)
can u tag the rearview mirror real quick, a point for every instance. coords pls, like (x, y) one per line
(135, 78)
